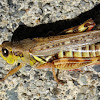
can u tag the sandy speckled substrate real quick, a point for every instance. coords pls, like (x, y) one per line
(33, 84)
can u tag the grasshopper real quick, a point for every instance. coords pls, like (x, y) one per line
(73, 50)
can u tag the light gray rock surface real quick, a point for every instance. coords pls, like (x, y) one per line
(34, 84)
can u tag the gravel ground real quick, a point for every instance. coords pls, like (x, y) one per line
(30, 84)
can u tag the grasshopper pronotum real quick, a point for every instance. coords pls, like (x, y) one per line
(71, 51)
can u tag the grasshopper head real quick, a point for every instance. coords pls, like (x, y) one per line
(6, 52)
(11, 54)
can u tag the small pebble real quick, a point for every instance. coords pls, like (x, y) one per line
(97, 68)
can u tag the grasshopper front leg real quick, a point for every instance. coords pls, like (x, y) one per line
(19, 66)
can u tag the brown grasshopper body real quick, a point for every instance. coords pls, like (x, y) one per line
(68, 52)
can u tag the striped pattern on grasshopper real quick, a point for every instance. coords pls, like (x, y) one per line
(68, 52)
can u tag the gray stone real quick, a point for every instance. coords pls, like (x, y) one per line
(83, 80)
(53, 97)
(75, 83)
(49, 75)
(67, 92)
(95, 76)
(81, 96)
(12, 95)
(98, 89)
(97, 68)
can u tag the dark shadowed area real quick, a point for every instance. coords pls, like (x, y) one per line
(50, 29)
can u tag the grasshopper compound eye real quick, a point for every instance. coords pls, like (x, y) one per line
(5, 52)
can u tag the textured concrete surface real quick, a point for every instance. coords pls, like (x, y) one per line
(33, 84)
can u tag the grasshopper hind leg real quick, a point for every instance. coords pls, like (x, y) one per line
(51, 65)
(55, 77)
